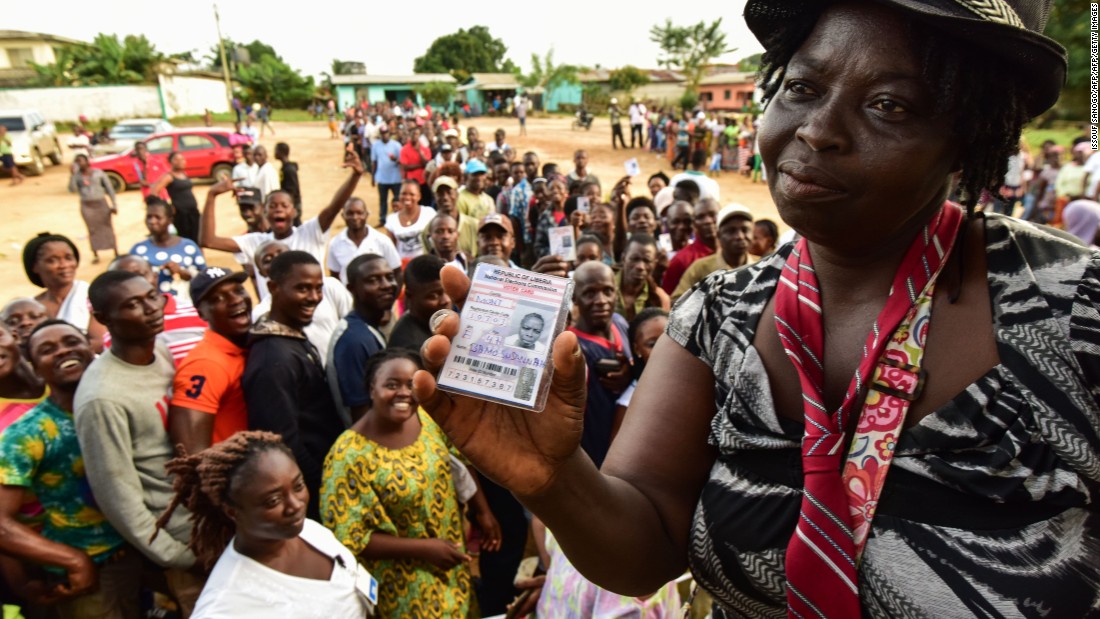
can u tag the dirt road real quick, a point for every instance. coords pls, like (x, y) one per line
(42, 203)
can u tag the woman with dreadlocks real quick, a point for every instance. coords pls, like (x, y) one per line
(896, 416)
(248, 504)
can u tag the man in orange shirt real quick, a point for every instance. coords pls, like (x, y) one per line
(207, 401)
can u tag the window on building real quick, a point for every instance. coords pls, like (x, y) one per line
(728, 94)
(19, 57)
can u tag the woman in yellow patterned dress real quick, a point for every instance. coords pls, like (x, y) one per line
(389, 496)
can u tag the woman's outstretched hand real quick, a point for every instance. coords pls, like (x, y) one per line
(518, 449)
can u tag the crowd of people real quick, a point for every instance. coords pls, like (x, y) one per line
(723, 142)
(284, 451)
(198, 431)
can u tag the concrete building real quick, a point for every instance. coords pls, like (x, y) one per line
(664, 87)
(351, 89)
(729, 91)
(483, 88)
(18, 49)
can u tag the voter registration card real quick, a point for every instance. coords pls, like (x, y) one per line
(507, 328)
(562, 243)
(632, 167)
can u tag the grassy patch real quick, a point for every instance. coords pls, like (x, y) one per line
(281, 116)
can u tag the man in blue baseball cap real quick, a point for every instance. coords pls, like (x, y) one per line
(472, 199)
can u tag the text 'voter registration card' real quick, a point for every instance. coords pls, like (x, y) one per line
(508, 326)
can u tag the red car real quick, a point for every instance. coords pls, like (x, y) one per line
(206, 151)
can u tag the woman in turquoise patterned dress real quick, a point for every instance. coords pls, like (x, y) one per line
(389, 495)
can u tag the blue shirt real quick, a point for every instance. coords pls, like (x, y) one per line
(387, 171)
(520, 199)
(184, 253)
(349, 357)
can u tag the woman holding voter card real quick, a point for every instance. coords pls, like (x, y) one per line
(894, 416)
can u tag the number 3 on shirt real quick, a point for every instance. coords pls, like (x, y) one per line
(195, 391)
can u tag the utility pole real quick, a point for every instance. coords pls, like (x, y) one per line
(225, 63)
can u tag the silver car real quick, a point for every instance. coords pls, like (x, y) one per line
(33, 140)
(126, 133)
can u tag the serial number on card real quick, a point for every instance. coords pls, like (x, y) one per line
(483, 382)
(487, 317)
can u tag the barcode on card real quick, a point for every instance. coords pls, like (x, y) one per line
(482, 365)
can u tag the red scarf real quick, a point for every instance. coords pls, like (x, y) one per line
(821, 558)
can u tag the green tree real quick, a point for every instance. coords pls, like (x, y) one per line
(257, 51)
(689, 100)
(63, 71)
(437, 93)
(689, 49)
(545, 75)
(274, 81)
(347, 67)
(465, 52)
(1068, 24)
(627, 78)
(108, 60)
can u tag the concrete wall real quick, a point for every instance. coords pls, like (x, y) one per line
(95, 102)
(667, 93)
(182, 96)
(186, 95)
(570, 94)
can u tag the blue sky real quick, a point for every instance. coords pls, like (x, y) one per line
(585, 33)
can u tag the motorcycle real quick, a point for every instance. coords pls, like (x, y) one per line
(583, 120)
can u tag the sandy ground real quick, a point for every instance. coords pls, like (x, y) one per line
(43, 203)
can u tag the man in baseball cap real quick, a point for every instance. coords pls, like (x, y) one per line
(444, 189)
(472, 199)
(250, 201)
(495, 237)
(207, 401)
(734, 240)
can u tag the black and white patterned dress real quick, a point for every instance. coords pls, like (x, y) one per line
(990, 509)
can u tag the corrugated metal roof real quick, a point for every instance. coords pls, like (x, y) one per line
(655, 75)
(729, 77)
(490, 81)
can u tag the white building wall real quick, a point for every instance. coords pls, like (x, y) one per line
(182, 96)
(95, 102)
(186, 95)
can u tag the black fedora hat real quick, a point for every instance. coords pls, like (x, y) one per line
(1010, 29)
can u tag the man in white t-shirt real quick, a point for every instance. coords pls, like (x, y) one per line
(357, 239)
(280, 212)
(637, 113)
(250, 131)
(267, 177)
(245, 171)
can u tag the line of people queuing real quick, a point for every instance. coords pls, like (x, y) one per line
(161, 432)
(726, 143)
